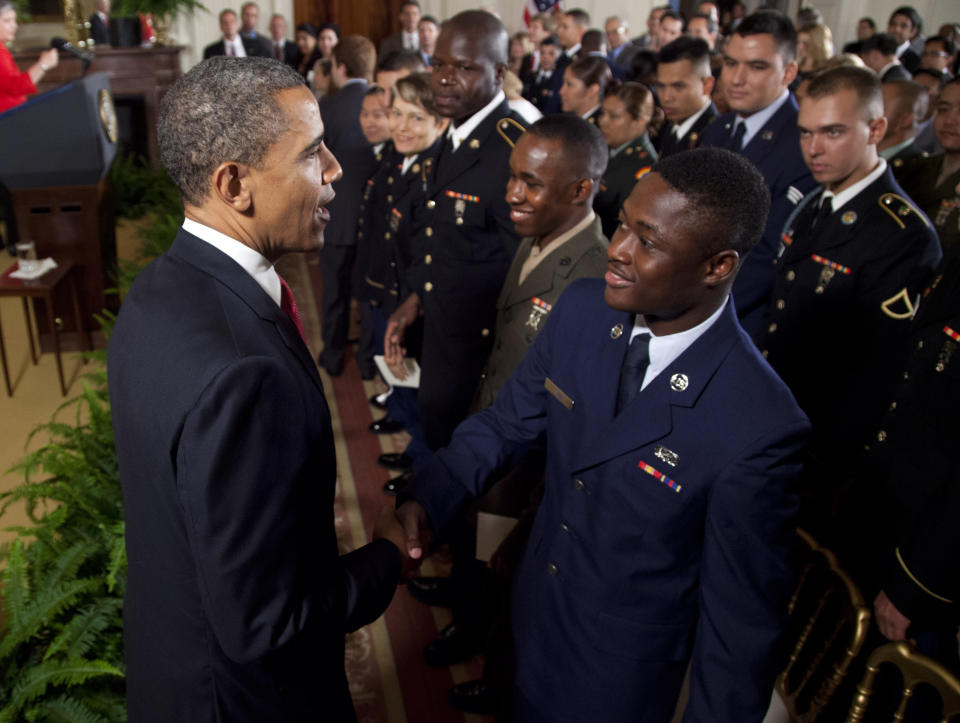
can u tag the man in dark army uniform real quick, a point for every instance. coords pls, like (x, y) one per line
(903, 510)
(934, 182)
(684, 85)
(851, 266)
(467, 238)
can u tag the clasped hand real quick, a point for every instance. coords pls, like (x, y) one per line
(408, 528)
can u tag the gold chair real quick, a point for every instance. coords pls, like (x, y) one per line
(915, 669)
(828, 627)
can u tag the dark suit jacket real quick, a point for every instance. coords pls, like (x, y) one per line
(775, 151)
(252, 47)
(342, 134)
(523, 309)
(835, 333)
(99, 31)
(911, 61)
(670, 144)
(664, 532)
(896, 72)
(390, 44)
(237, 598)
(553, 103)
(290, 52)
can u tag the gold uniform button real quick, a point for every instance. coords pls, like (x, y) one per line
(459, 221)
(390, 179)
(552, 569)
(389, 198)
(387, 235)
(360, 234)
(881, 436)
(772, 328)
(766, 353)
(431, 204)
(893, 405)
(360, 221)
(920, 344)
(429, 232)
(906, 375)
(780, 304)
(484, 332)
(428, 259)
(428, 287)
(791, 275)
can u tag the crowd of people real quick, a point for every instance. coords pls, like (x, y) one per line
(668, 298)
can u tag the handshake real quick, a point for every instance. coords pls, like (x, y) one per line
(408, 528)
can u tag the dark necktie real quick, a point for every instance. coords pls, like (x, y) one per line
(278, 51)
(826, 208)
(738, 133)
(289, 307)
(634, 368)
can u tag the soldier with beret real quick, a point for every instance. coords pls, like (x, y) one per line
(851, 266)
(629, 114)
(934, 182)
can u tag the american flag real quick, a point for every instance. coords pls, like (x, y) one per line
(532, 7)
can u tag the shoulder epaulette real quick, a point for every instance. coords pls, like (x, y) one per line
(510, 130)
(900, 208)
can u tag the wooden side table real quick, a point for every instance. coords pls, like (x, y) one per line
(42, 288)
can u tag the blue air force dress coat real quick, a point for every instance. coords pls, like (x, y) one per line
(775, 151)
(463, 250)
(623, 172)
(842, 301)
(670, 144)
(664, 531)
(237, 598)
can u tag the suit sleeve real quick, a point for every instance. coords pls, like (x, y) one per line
(746, 580)
(265, 572)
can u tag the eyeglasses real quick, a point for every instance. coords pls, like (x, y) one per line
(935, 54)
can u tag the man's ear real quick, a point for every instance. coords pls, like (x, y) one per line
(790, 73)
(231, 184)
(501, 73)
(582, 191)
(721, 267)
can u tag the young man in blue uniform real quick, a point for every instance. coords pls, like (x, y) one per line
(672, 449)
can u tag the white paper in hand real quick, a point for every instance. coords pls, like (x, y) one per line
(413, 373)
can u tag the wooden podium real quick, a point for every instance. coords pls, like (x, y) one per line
(55, 156)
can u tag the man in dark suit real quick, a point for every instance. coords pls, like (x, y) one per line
(905, 25)
(570, 29)
(354, 58)
(100, 23)
(759, 64)
(249, 18)
(466, 238)
(851, 267)
(282, 49)
(237, 599)
(409, 37)
(232, 44)
(684, 88)
(879, 53)
(671, 450)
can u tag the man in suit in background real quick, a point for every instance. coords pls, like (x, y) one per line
(671, 452)
(100, 23)
(759, 63)
(354, 59)
(570, 29)
(249, 18)
(429, 30)
(879, 53)
(905, 25)
(409, 37)
(237, 598)
(684, 88)
(282, 49)
(232, 44)
(621, 50)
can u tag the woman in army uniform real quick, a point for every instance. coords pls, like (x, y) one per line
(585, 82)
(629, 117)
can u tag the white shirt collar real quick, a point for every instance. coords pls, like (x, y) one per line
(890, 152)
(681, 130)
(379, 147)
(572, 51)
(586, 116)
(848, 194)
(251, 261)
(411, 41)
(902, 48)
(759, 119)
(238, 50)
(459, 134)
(665, 349)
(407, 162)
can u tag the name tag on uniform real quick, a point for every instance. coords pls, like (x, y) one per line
(558, 393)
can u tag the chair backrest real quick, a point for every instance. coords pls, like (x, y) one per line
(827, 630)
(915, 669)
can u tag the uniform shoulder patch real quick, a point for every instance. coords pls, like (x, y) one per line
(899, 306)
(510, 130)
(900, 209)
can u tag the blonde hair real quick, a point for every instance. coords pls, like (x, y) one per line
(819, 49)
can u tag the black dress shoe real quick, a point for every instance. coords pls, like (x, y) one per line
(375, 401)
(454, 644)
(396, 461)
(386, 426)
(440, 591)
(474, 696)
(392, 486)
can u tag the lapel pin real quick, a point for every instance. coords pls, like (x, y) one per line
(416, 168)
(474, 144)
(616, 332)
(768, 135)
(848, 218)
(629, 151)
(679, 382)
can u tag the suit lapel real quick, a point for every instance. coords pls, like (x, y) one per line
(217, 264)
(773, 133)
(648, 417)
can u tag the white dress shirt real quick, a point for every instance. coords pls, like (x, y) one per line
(461, 132)
(756, 121)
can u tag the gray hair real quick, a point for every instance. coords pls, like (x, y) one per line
(222, 110)
(7, 5)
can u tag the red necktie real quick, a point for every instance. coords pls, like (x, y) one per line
(289, 307)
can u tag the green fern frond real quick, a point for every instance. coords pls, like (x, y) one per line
(16, 582)
(36, 616)
(118, 559)
(67, 709)
(34, 681)
(79, 636)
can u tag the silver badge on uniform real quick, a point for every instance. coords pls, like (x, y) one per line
(679, 382)
(616, 332)
(538, 313)
(826, 275)
(459, 207)
(666, 455)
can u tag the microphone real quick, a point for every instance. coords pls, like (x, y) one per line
(66, 46)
